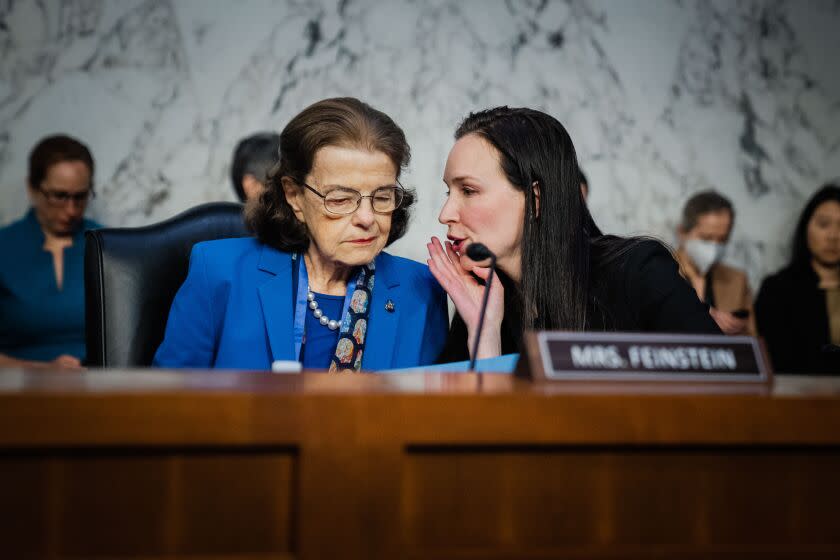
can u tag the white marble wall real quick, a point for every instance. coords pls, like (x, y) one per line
(662, 97)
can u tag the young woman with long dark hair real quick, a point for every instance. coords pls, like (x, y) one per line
(798, 308)
(514, 185)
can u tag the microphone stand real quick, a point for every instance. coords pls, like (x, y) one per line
(482, 252)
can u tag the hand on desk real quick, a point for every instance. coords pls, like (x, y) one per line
(64, 361)
(729, 323)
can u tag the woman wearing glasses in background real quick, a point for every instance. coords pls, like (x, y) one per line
(314, 285)
(42, 305)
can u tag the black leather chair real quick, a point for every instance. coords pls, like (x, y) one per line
(132, 275)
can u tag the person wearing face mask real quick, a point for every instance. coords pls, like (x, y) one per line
(703, 233)
(42, 297)
(315, 286)
(798, 308)
(514, 185)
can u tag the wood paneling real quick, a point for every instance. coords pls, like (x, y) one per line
(25, 496)
(125, 503)
(221, 465)
(236, 503)
(560, 499)
(112, 506)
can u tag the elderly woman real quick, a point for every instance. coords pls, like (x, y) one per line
(314, 285)
(42, 297)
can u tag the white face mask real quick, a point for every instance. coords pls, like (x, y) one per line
(704, 254)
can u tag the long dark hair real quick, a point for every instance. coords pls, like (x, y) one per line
(801, 255)
(561, 244)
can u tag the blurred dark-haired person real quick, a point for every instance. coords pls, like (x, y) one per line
(704, 230)
(42, 298)
(514, 185)
(798, 308)
(315, 285)
(253, 158)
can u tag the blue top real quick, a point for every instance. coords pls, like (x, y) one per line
(301, 278)
(37, 320)
(320, 342)
(236, 310)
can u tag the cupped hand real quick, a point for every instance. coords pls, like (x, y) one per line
(465, 291)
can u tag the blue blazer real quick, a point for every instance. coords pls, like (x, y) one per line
(236, 310)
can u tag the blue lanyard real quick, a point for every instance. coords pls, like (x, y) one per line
(302, 305)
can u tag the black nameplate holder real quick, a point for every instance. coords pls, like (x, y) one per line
(563, 356)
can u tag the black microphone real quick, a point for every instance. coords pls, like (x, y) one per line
(479, 252)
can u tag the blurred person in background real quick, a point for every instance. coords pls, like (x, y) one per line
(707, 221)
(798, 308)
(253, 157)
(42, 298)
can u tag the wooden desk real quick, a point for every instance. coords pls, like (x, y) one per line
(244, 465)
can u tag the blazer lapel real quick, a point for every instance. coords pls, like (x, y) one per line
(382, 335)
(276, 301)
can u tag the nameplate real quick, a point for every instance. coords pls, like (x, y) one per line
(577, 356)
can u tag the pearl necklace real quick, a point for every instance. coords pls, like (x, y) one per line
(332, 324)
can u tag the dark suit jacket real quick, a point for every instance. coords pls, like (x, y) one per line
(792, 317)
(641, 292)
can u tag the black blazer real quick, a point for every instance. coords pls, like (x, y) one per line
(792, 316)
(641, 292)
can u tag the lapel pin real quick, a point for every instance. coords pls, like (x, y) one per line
(389, 306)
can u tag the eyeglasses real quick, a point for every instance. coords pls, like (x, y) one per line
(61, 198)
(342, 200)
